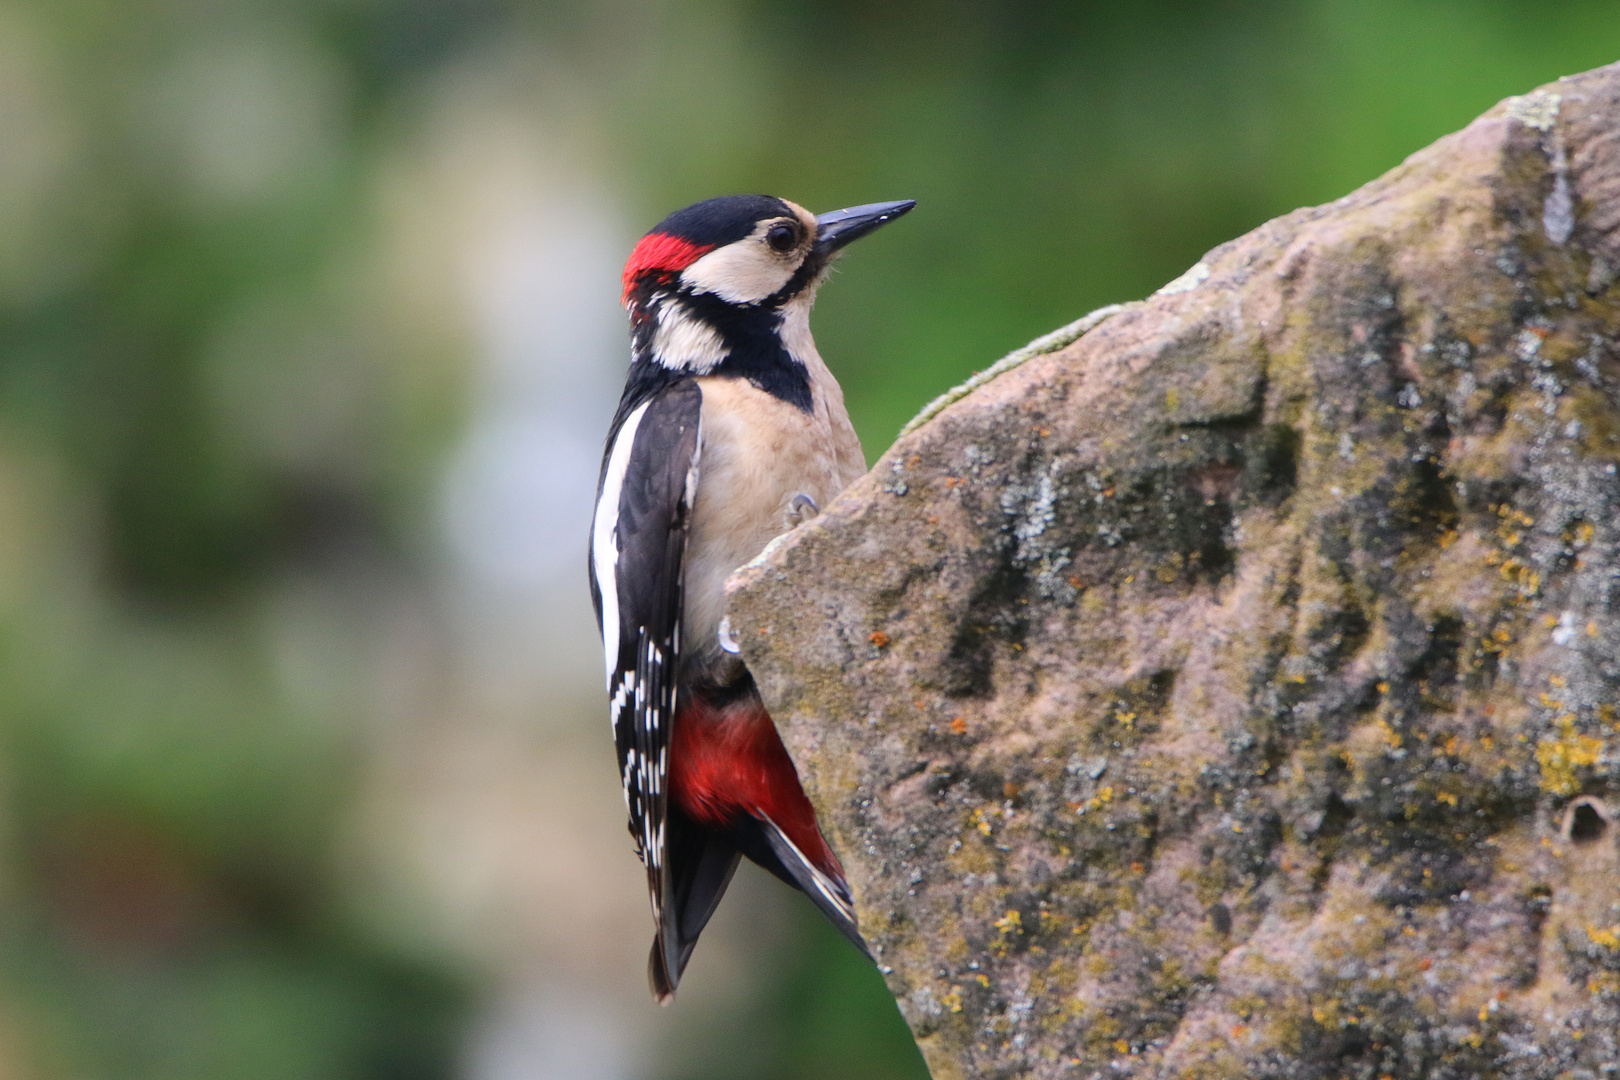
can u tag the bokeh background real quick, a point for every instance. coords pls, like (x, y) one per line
(308, 339)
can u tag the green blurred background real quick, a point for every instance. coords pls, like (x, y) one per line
(308, 339)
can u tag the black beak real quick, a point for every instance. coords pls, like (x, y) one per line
(838, 228)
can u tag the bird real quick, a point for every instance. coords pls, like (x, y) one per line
(730, 431)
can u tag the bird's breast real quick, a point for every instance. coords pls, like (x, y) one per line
(759, 453)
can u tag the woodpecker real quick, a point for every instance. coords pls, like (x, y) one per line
(730, 431)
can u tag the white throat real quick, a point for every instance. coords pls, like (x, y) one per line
(795, 331)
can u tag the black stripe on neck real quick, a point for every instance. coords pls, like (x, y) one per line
(754, 349)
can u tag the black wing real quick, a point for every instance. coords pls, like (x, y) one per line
(638, 541)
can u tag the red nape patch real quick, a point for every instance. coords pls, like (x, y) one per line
(727, 762)
(657, 251)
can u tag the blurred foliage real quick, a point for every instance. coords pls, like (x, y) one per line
(198, 412)
(206, 401)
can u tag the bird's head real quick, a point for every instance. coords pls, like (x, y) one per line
(711, 279)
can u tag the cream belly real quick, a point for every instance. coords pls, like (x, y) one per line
(758, 453)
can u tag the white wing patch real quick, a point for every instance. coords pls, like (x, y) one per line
(605, 550)
(641, 660)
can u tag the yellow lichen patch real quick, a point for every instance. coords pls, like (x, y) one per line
(1603, 984)
(1009, 925)
(1608, 937)
(1498, 641)
(1559, 756)
(1511, 518)
(953, 1000)
(1525, 579)
(1104, 796)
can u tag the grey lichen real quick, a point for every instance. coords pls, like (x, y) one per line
(1031, 508)
(1538, 109)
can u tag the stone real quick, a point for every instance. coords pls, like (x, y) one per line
(1231, 690)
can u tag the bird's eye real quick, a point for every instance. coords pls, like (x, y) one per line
(782, 237)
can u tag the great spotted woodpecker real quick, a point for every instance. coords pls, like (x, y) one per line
(730, 431)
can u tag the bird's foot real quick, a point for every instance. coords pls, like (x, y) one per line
(800, 509)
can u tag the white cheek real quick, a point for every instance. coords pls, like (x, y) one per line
(741, 273)
(685, 342)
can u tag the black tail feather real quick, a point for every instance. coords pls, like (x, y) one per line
(830, 894)
(658, 977)
(700, 865)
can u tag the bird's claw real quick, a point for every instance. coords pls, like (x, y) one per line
(800, 508)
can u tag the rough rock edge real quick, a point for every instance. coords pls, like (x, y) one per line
(1046, 343)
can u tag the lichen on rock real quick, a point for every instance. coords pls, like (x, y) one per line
(1232, 691)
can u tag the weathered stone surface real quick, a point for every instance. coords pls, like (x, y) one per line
(1232, 692)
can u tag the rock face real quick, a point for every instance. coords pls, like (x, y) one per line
(1233, 691)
